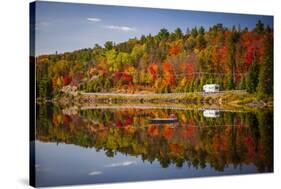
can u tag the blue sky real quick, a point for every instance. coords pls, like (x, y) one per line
(65, 27)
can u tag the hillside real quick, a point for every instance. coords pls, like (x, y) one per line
(236, 59)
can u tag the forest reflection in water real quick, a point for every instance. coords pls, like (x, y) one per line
(209, 139)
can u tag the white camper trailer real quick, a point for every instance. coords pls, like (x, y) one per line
(211, 88)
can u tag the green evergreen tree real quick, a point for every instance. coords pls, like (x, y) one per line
(230, 83)
(259, 27)
(178, 33)
(265, 85)
(231, 60)
(252, 78)
(242, 84)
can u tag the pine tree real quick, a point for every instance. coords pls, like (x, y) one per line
(242, 84)
(230, 83)
(259, 27)
(265, 86)
(252, 78)
(231, 40)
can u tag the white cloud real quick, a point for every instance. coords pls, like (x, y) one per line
(94, 19)
(95, 173)
(122, 164)
(121, 28)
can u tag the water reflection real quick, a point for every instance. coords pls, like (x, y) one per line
(199, 140)
(211, 113)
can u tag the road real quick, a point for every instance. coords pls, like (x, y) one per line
(159, 94)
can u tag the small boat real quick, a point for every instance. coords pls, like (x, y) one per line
(171, 119)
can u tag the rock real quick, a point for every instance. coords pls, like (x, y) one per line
(256, 104)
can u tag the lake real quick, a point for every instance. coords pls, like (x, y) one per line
(118, 143)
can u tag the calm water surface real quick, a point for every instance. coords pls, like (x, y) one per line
(112, 144)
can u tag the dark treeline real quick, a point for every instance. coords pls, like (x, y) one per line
(234, 58)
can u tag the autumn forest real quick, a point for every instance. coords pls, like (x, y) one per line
(169, 62)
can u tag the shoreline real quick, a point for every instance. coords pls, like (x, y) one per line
(233, 99)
